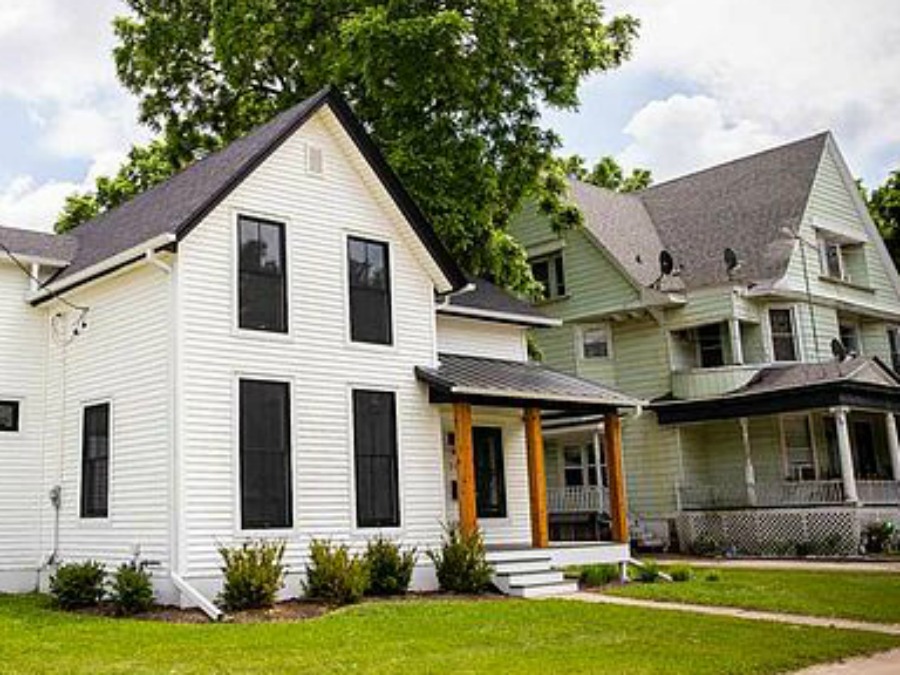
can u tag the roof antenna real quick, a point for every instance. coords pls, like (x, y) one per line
(732, 263)
(666, 268)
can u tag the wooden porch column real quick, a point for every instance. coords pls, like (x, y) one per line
(465, 468)
(618, 504)
(893, 444)
(846, 453)
(737, 348)
(537, 479)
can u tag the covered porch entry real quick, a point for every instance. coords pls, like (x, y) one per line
(495, 463)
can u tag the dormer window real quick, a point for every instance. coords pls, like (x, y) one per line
(784, 338)
(833, 260)
(548, 271)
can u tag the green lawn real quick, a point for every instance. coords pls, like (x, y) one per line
(865, 596)
(423, 637)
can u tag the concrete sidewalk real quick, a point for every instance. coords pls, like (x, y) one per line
(766, 564)
(753, 615)
(886, 663)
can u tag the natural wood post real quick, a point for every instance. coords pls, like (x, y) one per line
(618, 504)
(465, 468)
(537, 479)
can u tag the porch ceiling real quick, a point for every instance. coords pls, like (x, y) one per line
(499, 383)
(856, 383)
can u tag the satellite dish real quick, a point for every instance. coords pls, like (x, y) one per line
(666, 263)
(838, 349)
(731, 260)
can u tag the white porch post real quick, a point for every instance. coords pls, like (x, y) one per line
(847, 472)
(893, 445)
(749, 471)
(737, 349)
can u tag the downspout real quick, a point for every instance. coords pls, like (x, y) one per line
(203, 603)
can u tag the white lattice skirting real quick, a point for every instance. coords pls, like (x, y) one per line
(779, 532)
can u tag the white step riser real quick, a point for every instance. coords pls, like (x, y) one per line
(520, 567)
(532, 579)
(494, 557)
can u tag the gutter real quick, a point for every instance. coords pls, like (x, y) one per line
(502, 317)
(144, 250)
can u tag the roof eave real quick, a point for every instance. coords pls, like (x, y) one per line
(499, 317)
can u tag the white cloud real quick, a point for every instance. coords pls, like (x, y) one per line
(775, 70)
(26, 203)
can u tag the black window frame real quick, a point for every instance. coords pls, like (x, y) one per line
(363, 298)
(711, 345)
(279, 310)
(483, 508)
(366, 454)
(781, 338)
(255, 514)
(95, 466)
(16, 416)
(554, 281)
(893, 335)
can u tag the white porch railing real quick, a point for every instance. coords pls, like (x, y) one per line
(578, 499)
(878, 492)
(786, 493)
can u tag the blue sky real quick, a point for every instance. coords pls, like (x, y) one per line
(709, 81)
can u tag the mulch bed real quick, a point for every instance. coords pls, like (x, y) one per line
(283, 612)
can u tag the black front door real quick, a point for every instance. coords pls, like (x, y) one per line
(864, 444)
(490, 478)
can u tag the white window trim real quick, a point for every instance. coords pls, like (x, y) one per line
(97, 522)
(811, 429)
(238, 532)
(770, 337)
(580, 335)
(379, 238)
(824, 243)
(247, 333)
(9, 435)
(553, 282)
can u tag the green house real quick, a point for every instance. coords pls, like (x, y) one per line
(755, 308)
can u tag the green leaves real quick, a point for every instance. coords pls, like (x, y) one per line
(452, 91)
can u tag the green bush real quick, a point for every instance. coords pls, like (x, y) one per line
(77, 585)
(390, 569)
(334, 575)
(461, 563)
(253, 574)
(705, 547)
(713, 576)
(878, 537)
(647, 573)
(131, 591)
(681, 573)
(599, 575)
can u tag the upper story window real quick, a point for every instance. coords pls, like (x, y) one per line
(784, 339)
(370, 291)
(595, 342)
(893, 335)
(849, 337)
(9, 416)
(799, 453)
(262, 287)
(842, 260)
(548, 271)
(701, 347)
(832, 259)
(95, 461)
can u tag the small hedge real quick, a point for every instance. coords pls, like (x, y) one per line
(334, 575)
(253, 575)
(681, 573)
(78, 585)
(599, 575)
(461, 563)
(390, 569)
(131, 591)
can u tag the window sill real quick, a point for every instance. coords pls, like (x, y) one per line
(262, 335)
(846, 284)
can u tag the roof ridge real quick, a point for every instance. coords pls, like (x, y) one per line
(737, 160)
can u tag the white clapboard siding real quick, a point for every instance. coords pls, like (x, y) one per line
(317, 357)
(124, 357)
(23, 336)
(481, 338)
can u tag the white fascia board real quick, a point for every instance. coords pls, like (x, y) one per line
(503, 317)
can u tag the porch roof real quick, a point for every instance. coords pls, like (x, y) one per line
(858, 382)
(495, 382)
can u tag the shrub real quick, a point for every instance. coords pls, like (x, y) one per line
(713, 575)
(648, 572)
(705, 547)
(253, 575)
(131, 591)
(390, 569)
(878, 536)
(599, 575)
(334, 575)
(681, 573)
(77, 585)
(461, 564)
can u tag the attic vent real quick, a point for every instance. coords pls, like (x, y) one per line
(315, 162)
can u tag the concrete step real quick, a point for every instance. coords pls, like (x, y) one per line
(529, 578)
(520, 566)
(564, 587)
(517, 555)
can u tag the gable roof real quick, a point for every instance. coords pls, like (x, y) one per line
(744, 205)
(51, 249)
(483, 300)
(177, 205)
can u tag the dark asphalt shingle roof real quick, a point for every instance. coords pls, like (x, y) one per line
(744, 205)
(473, 375)
(487, 297)
(50, 247)
(797, 376)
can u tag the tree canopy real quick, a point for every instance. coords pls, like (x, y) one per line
(451, 90)
(884, 205)
(607, 173)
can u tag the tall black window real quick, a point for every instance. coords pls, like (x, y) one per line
(490, 478)
(263, 285)
(784, 344)
(95, 461)
(9, 416)
(712, 348)
(375, 452)
(265, 455)
(370, 291)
